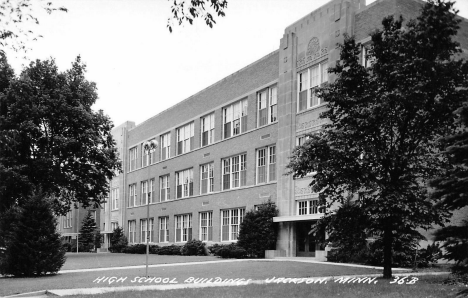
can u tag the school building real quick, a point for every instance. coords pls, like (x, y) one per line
(224, 150)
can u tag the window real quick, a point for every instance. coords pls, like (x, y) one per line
(131, 231)
(146, 231)
(114, 199)
(114, 225)
(148, 156)
(144, 193)
(230, 223)
(163, 229)
(207, 130)
(165, 190)
(273, 102)
(266, 164)
(366, 60)
(301, 140)
(184, 181)
(166, 146)
(185, 138)
(206, 178)
(132, 196)
(67, 220)
(308, 82)
(234, 171)
(151, 195)
(183, 227)
(267, 106)
(309, 207)
(303, 87)
(235, 119)
(133, 158)
(206, 226)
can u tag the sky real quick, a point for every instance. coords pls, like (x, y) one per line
(140, 68)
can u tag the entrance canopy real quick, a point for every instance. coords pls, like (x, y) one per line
(297, 217)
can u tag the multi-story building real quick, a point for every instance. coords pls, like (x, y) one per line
(69, 225)
(224, 150)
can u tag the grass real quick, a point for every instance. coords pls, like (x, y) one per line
(428, 286)
(256, 270)
(105, 260)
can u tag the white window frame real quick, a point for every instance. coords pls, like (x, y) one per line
(132, 231)
(148, 157)
(309, 79)
(266, 157)
(164, 229)
(144, 228)
(206, 226)
(185, 140)
(183, 223)
(133, 156)
(234, 168)
(207, 173)
(267, 101)
(114, 225)
(185, 180)
(67, 220)
(235, 119)
(164, 188)
(114, 199)
(132, 195)
(207, 125)
(230, 223)
(144, 193)
(309, 207)
(165, 146)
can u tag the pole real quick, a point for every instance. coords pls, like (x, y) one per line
(77, 228)
(150, 147)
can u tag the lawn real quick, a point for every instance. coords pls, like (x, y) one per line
(429, 286)
(104, 260)
(256, 270)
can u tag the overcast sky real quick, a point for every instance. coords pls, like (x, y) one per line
(140, 68)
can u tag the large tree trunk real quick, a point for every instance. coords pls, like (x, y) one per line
(387, 250)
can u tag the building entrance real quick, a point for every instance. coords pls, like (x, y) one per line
(305, 245)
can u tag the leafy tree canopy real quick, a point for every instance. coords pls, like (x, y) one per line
(50, 137)
(188, 10)
(17, 19)
(385, 121)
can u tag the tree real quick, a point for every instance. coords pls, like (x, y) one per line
(451, 191)
(257, 231)
(32, 245)
(118, 240)
(188, 11)
(17, 19)
(50, 137)
(347, 233)
(87, 232)
(385, 121)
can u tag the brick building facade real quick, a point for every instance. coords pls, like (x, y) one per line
(224, 150)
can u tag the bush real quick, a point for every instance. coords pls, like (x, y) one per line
(118, 240)
(427, 257)
(257, 231)
(228, 251)
(194, 248)
(66, 245)
(135, 249)
(81, 247)
(31, 245)
(170, 250)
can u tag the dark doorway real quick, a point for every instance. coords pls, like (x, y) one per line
(305, 245)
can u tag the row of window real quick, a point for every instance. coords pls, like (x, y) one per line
(234, 175)
(230, 225)
(234, 122)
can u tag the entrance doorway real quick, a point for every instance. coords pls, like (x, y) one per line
(305, 245)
